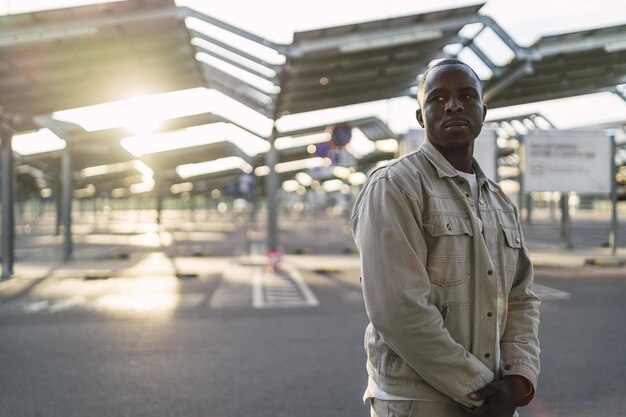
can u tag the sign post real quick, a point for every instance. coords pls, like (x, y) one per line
(614, 222)
(580, 161)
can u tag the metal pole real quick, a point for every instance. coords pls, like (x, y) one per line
(520, 176)
(66, 204)
(614, 222)
(271, 188)
(159, 203)
(8, 221)
(58, 203)
(94, 211)
(529, 208)
(566, 225)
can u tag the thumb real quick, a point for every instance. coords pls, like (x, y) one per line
(485, 392)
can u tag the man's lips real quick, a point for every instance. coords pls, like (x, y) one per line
(455, 122)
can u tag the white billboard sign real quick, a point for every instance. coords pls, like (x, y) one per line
(567, 161)
(484, 148)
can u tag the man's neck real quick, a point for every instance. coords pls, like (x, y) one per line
(461, 159)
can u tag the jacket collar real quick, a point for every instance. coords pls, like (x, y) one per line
(445, 169)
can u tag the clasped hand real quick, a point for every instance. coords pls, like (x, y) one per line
(501, 398)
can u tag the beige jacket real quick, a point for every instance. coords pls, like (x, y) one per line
(450, 305)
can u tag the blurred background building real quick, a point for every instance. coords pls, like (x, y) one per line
(153, 112)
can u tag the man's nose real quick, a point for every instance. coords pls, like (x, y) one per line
(454, 105)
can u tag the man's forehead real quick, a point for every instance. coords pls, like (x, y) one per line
(440, 77)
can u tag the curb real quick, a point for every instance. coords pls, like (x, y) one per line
(606, 262)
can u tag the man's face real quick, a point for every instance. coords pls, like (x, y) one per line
(452, 110)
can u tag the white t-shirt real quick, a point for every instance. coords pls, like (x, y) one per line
(473, 183)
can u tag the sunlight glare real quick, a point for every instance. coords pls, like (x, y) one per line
(360, 145)
(288, 142)
(250, 144)
(210, 167)
(143, 114)
(40, 141)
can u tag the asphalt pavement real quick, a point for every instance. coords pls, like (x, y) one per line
(187, 319)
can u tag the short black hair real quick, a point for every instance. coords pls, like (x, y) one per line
(421, 84)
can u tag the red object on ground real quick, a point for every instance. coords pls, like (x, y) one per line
(274, 257)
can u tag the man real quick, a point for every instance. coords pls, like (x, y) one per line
(446, 274)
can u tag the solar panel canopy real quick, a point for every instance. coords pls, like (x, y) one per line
(564, 65)
(67, 58)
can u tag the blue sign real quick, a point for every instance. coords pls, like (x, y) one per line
(245, 184)
(322, 149)
(341, 135)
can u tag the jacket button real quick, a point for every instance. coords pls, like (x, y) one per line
(487, 355)
(449, 226)
(467, 195)
(507, 367)
(489, 314)
(461, 182)
(517, 240)
(481, 202)
(490, 272)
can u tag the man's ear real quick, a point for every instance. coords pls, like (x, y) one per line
(418, 116)
(484, 112)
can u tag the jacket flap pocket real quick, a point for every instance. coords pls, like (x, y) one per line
(446, 225)
(512, 237)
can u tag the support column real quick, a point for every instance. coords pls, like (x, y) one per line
(7, 194)
(159, 203)
(57, 209)
(66, 203)
(614, 220)
(94, 211)
(529, 208)
(566, 223)
(271, 190)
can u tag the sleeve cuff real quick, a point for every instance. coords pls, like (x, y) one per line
(524, 371)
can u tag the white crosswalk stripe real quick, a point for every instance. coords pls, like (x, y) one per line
(286, 288)
(265, 289)
(546, 293)
(237, 288)
(36, 306)
(66, 304)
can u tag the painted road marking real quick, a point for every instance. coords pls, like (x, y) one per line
(36, 306)
(112, 302)
(547, 293)
(66, 304)
(285, 288)
(237, 289)
(234, 289)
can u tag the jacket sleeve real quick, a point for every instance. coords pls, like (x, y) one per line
(387, 229)
(520, 341)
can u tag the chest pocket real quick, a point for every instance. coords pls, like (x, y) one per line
(512, 246)
(449, 240)
(513, 241)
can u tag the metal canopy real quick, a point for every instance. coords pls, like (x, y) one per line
(61, 59)
(67, 58)
(367, 61)
(89, 149)
(562, 66)
(335, 66)
(372, 127)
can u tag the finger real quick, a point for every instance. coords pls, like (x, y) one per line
(485, 392)
(484, 411)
